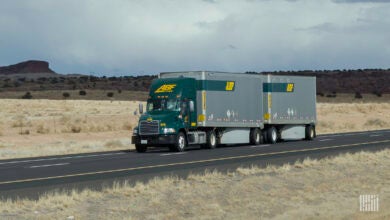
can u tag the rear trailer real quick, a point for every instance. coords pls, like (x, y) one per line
(229, 108)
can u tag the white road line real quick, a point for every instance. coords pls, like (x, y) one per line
(336, 135)
(168, 154)
(49, 165)
(260, 146)
(326, 139)
(59, 158)
(375, 135)
(350, 134)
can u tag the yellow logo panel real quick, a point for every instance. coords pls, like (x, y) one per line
(229, 86)
(165, 88)
(290, 87)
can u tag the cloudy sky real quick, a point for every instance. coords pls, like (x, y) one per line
(145, 36)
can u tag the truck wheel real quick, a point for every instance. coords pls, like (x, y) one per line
(310, 132)
(181, 142)
(272, 135)
(255, 136)
(141, 148)
(211, 140)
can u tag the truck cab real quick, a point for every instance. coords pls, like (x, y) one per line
(170, 115)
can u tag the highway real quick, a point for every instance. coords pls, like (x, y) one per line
(31, 177)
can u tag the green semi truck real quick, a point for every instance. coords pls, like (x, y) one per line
(216, 108)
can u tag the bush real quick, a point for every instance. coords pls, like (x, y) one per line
(66, 95)
(24, 132)
(110, 94)
(119, 90)
(331, 95)
(75, 129)
(358, 95)
(82, 92)
(377, 93)
(27, 95)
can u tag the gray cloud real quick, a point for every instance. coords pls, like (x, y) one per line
(122, 37)
(361, 1)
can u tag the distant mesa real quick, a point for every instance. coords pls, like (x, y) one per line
(31, 66)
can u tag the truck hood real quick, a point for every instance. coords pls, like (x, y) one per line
(167, 117)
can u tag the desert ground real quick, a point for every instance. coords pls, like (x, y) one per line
(310, 189)
(51, 127)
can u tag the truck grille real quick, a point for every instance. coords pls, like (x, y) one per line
(148, 127)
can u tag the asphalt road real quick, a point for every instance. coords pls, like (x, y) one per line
(31, 177)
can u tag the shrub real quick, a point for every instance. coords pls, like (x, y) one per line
(27, 95)
(376, 122)
(41, 129)
(66, 95)
(358, 95)
(331, 95)
(24, 132)
(119, 90)
(82, 92)
(110, 94)
(377, 93)
(75, 129)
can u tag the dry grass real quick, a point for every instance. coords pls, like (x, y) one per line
(49, 127)
(346, 117)
(311, 189)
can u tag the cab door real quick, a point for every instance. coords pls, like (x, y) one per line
(188, 113)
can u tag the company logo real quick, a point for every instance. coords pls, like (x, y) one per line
(229, 86)
(165, 88)
(290, 87)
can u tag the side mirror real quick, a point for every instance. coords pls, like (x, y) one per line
(192, 107)
(141, 108)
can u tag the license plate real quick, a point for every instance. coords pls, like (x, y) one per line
(144, 141)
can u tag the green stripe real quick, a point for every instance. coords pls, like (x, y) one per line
(212, 85)
(276, 87)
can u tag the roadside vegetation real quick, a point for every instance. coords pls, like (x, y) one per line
(51, 127)
(310, 189)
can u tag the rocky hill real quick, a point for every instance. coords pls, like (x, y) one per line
(31, 66)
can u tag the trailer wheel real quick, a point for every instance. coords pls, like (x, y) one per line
(211, 140)
(181, 142)
(310, 132)
(141, 148)
(255, 136)
(272, 135)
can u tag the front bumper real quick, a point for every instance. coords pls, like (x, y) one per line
(154, 140)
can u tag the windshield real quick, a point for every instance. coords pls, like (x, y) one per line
(163, 104)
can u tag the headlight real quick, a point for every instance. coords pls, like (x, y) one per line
(135, 131)
(169, 130)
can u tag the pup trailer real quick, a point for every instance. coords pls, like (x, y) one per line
(215, 108)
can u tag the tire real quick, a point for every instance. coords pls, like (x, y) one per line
(141, 148)
(211, 140)
(272, 135)
(310, 132)
(181, 142)
(255, 136)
